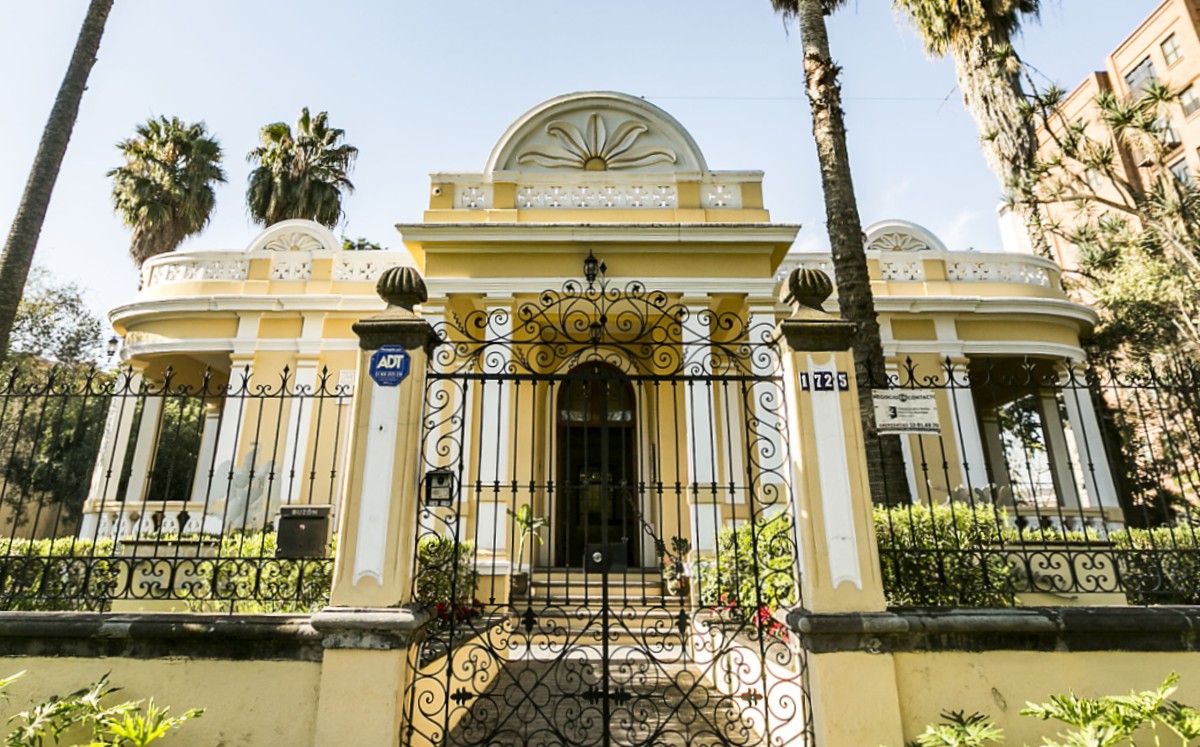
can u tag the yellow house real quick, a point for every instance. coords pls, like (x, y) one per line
(607, 176)
(592, 446)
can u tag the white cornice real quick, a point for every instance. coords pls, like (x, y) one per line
(755, 287)
(201, 345)
(232, 305)
(1031, 307)
(607, 233)
(898, 349)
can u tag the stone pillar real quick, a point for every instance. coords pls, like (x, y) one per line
(295, 451)
(106, 475)
(208, 450)
(368, 629)
(839, 560)
(703, 495)
(1089, 443)
(495, 423)
(968, 438)
(144, 445)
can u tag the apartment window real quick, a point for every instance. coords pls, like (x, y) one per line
(1190, 99)
(1181, 171)
(1170, 135)
(1095, 179)
(1140, 78)
(1170, 49)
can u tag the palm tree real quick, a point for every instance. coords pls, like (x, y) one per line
(164, 191)
(301, 174)
(31, 213)
(978, 34)
(885, 462)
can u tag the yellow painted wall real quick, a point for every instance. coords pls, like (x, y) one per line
(259, 703)
(999, 683)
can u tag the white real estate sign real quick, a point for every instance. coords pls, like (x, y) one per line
(906, 411)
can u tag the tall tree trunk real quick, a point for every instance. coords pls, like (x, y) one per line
(31, 214)
(989, 77)
(885, 461)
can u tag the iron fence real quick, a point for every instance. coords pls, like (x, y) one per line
(200, 490)
(1044, 478)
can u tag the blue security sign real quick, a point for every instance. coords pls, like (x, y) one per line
(389, 365)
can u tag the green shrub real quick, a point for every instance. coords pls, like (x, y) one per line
(944, 555)
(753, 573)
(59, 574)
(1159, 566)
(446, 577)
(128, 724)
(247, 578)
(1110, 721)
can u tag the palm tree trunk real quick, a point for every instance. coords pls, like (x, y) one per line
(31, 214)
(989, 77)
(885, 462)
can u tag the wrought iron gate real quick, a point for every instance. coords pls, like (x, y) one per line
(606, 569)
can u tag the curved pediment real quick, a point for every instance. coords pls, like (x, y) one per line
(596, 131)
(295, 235)
(901, 236)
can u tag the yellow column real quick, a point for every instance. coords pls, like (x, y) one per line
(839, 560)
(367, 629)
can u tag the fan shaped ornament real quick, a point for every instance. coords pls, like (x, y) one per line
(596, 149)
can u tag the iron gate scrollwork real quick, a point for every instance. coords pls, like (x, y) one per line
(622, 530)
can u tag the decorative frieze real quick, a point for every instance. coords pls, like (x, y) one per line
(728, 196)
(903, 270)
(193, 270)
(361, 268)
(991, 270)
(472, 197)
(582, 196)
(291, 269)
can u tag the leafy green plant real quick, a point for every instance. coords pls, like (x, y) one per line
(57, 574)
(674, 565)
(960, 730)
(753, 573)
(128, 724)
(1110, 721)
(247, 578)
(529, 525)
(1159, 566)
(943, 555)
(447, 578)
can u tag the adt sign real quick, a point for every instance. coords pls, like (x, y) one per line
(389, 365)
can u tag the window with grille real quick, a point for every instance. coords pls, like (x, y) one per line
(1170, 49)
(1140, 78)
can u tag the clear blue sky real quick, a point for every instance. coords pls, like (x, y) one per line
(425, 87)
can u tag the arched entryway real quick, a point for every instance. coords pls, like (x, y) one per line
(597, 511)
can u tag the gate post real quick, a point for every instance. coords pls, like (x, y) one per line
(367, 632)
(838, 555)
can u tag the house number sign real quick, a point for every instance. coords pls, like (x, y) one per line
(825, 381)
(390, 365)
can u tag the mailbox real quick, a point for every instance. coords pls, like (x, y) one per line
(302, 531)
(439, 488)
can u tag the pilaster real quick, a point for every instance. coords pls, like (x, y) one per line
(839, 561)
(369, 632)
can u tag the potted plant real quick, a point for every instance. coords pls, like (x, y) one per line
(529, 526)
(676, 580)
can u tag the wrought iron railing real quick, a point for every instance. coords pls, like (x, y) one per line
(1046, 478)
(190, 490)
